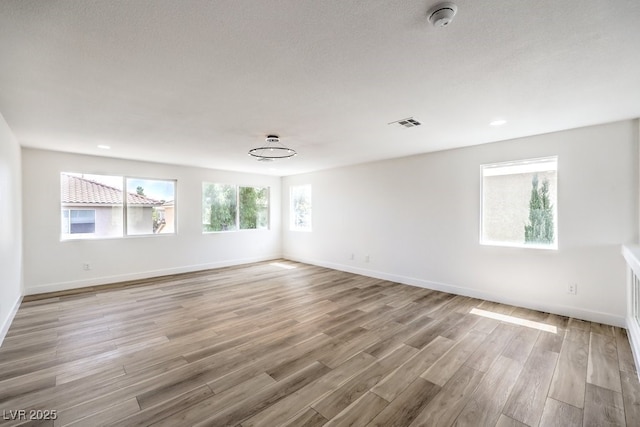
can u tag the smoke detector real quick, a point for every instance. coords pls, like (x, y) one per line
(442, 14)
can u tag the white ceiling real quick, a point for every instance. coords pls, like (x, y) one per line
(201, 82)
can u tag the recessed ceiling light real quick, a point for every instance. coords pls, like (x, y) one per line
(498, 122)
(104, 147)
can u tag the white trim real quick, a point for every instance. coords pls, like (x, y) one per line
(562, 310)
(106, 280)
(542, 164)
(4, 328)
(631, 254)
(633, 332)
(515, 167)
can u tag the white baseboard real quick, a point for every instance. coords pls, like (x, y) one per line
(105, 280)
(578, 313)
(4, 327)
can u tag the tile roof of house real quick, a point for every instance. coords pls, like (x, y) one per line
(85, 191)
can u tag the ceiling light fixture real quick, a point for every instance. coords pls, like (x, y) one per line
(104, 147)
(498, 122)
(274, 150)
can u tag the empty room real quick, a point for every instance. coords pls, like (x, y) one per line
(305, 213)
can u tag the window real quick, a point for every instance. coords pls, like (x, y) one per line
(150, 206)
(300, 212)
(254, 208)
(229, 207)
(519, 204)
(76, 221)
(219, 207)
(95, 206)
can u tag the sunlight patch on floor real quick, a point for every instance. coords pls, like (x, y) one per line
(281, 265)
(515, 320)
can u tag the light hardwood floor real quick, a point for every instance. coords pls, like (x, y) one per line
(261, 345)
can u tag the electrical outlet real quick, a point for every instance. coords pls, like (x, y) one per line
(86, 266)
(353, 256)
(572, 289)
(366, 258)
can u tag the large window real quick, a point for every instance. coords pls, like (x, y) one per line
(96, 206)
(519, 203)
(228, 207)
(300, 212)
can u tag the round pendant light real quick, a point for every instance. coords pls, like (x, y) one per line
(273, 150)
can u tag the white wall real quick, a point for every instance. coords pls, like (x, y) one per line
(51, 265)
(418, 220)
(10, 228)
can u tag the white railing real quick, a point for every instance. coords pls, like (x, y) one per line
(631, 254)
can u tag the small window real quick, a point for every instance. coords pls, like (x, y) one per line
(519, 204)
(300, 212)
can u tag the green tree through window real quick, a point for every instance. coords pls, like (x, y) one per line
(253, 207)
(229, 207)
(540, 228)
(221, 201)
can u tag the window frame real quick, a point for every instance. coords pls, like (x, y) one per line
(268, 190)
(523, 163)
(237, 227)
(68, 221)
(292, 210)
(123, 205)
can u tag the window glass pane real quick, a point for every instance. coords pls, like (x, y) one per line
(219, 207)
(300, 213)
(519, 203)
(254, 208)
(65, 221)
(91, 206)
(150, 206)
(82, 221)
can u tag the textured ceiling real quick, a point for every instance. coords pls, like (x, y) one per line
(201, 82)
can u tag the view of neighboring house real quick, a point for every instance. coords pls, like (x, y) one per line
(94, 209)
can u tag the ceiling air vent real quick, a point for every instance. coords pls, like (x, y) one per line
(408, 123)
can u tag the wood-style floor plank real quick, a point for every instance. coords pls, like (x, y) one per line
(603, 369)
(445, 407)
(486, 403)
(530, 392)
(407, 405)
(603, 407)
(560, 414)
(569, 379)
(260, 345)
